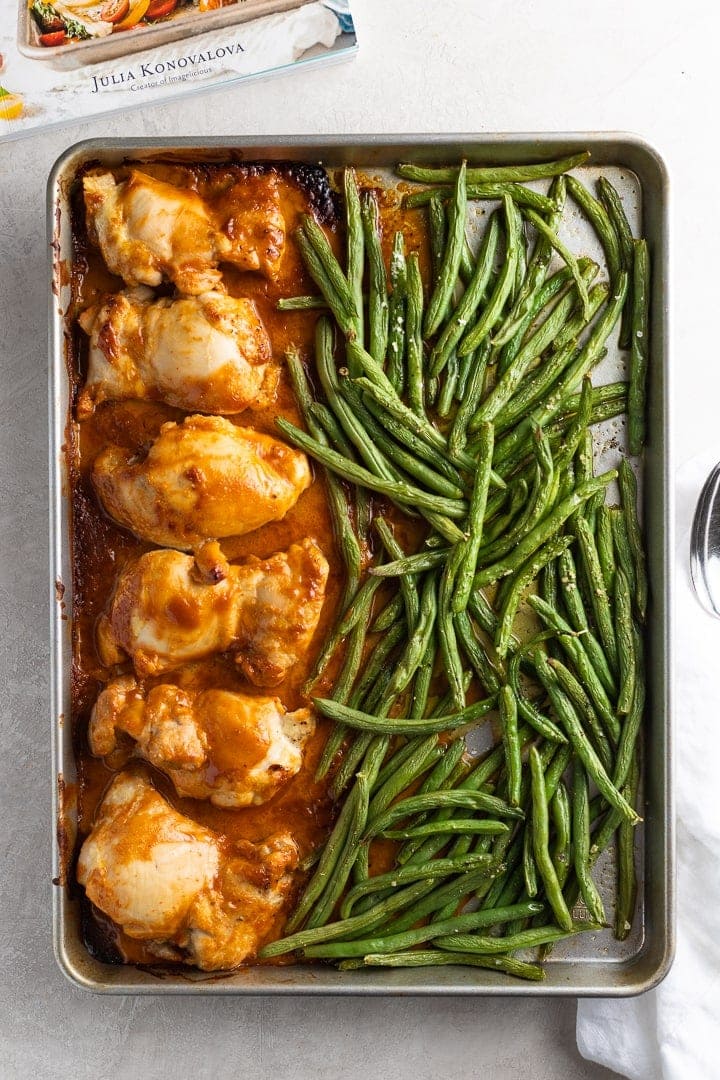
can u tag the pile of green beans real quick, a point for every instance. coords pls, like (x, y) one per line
(462, 399)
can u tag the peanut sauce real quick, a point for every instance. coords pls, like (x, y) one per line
(100, 548)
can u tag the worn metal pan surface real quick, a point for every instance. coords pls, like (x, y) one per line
(181, 25)
(589, 964)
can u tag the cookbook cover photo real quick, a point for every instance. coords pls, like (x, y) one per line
(66, 59)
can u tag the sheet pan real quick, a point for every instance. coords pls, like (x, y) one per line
(589, 964)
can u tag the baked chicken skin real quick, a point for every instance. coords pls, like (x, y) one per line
(208, 353)
(188, 893)
(150, 231)
(169, 609)
(233, 749)
(205, 478)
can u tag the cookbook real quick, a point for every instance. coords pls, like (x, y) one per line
(63, 60)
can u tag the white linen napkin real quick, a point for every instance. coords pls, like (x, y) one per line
(672, 1032)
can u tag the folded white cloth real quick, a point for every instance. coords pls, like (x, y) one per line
(672, 1032)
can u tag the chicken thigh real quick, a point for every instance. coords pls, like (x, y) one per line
(206, 353)
(249, 216)
(187, 892)
(149, 231)
(204, 478)
(233, 749)
(169, 609)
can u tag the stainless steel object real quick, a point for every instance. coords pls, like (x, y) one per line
(94, 50)
(705, 545)
(589, 964)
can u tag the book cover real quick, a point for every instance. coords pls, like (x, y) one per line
(63, 60)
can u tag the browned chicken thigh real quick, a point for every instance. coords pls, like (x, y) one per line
(205, 478)
(188, 893)
(206, 353)
(150, 231)
(233, 749)
(169, 609)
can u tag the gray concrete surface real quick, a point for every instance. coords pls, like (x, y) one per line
(430, 67)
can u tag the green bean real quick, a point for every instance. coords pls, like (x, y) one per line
(355, 244)
(588, 676)
(527, 709)
(529, 869)
(376, 660)
(398, 490)
(392, 942)
(397, 314)
(613, 204)
(583, 363)
(417, 644)
(624, 634)
(472, 297)
(432, 958)
(446, 397)
(358, 798)
(325, 867)
(627, 881)
(492, 174)
(438, 800)
(523, 196)
(631, 727)
(528, 939)
(415, 361)
(628, 500)
(579, 622)
(358, 924)
(423, 757)
(614, 207)
(412, 564)
(580, 742)
(414, 466)
(448, 272)
(476, 519)
(301, 303)
(408, 583)
(541, 501)
(483, 327)
(537, 268)
(511, 378)
(378, 299)
(564, 462)
(476, 364)
(542, 532)
(583, 705)
(399, 726)
(326, 273)
(581, 846)
(511, 743)
(560, 808)
(521, 581)
(639, 335)
(403, 435)
(437, 868)
(605, 547)
(565, 254)
(541, 852)
(598, 595)
(597, 215)
(389, 615)
(545, 375)
(476, 654)
(437, 231)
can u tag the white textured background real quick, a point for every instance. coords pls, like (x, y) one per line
(424, 65)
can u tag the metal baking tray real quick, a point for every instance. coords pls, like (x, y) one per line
(589, 964)
(94, 50)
